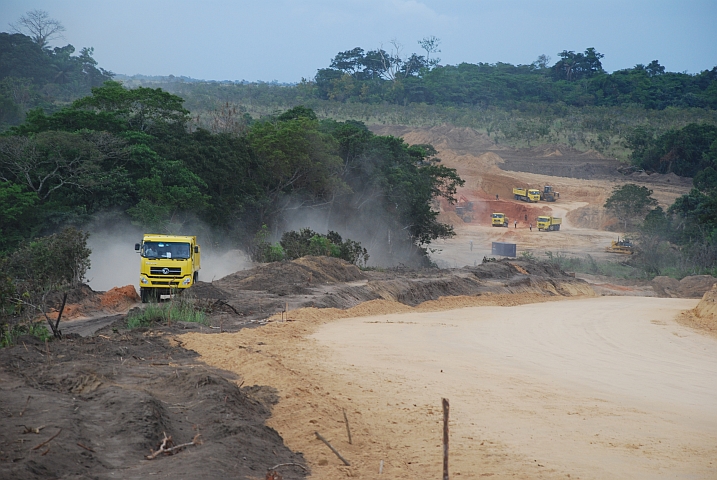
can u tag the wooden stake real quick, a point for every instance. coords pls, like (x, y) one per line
(336, 452)
(26, 404)
(446, 407)
(348, 429)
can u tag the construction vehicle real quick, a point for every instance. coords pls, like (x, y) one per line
(549, 223)
(168, 264)
(464, 209)
(527, 194)
(624, 246)
(499, 220)
(549, 194)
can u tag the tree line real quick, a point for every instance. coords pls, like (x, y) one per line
(576, 79)
(133, 154)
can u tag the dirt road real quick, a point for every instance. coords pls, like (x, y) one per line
(596, 388)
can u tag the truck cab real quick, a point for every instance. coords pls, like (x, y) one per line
(168, 264)
(499, 220)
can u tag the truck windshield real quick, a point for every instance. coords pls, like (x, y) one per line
(165, 250)
(543, 219)
(497, 215)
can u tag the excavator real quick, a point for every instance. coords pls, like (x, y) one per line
(464, 209)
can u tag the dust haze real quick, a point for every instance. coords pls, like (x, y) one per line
(115, 263)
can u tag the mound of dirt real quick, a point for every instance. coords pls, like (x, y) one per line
(704, 316)
(694, 286)
(294, 277)
(110, 398)
(119, 299)
(83, 302)
(707, 308)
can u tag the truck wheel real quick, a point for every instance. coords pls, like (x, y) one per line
(144, 294)
(557, 227)
(196, 277)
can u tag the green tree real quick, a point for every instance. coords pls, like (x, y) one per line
(630, 203)
(18, 215)
(42, 268)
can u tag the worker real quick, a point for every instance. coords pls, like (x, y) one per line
(531, 227)
(496, 196)
(515, 223)
(471, 245)
(526, 217)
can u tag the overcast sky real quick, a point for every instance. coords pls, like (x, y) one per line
(286, 40)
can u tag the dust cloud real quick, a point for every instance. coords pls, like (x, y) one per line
(115, 263)
(386, 245)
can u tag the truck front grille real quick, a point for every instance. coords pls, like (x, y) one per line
(173, 271)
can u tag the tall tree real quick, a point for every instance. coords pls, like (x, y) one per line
(39, 26)
(630, 202)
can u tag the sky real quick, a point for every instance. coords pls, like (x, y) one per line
(287, 40)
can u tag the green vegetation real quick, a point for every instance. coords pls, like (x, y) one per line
(35, 275)
(305, 242)
(629, 202)
(176, 310)
(34, 75)
(9, 334)
(588, 264)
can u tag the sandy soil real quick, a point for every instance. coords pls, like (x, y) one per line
(607, 387)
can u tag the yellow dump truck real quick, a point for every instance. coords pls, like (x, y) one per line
(499, 220)
(549, 223)
(168, 263)
(527, 194)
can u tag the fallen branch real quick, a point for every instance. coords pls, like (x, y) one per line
(348, 429)
(336, 452)
(167, 446)
(289, 465)
(85, 447)
(47, 441)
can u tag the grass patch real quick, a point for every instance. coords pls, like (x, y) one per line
(182, 310)
(589, 265)
(9, 334)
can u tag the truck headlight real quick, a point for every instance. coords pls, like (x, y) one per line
(187, 281)
(143, 280)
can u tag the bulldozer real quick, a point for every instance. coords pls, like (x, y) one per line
(624, 246)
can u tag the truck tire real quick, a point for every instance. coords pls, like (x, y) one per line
(144, 294)
(196, 277)
(557, 227)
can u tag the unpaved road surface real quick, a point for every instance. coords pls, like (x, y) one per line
(606, 387)
(593, 388)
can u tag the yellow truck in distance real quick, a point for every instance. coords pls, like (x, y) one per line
(549, 223)
(527, 194)
(168, 263)
(499, 220)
